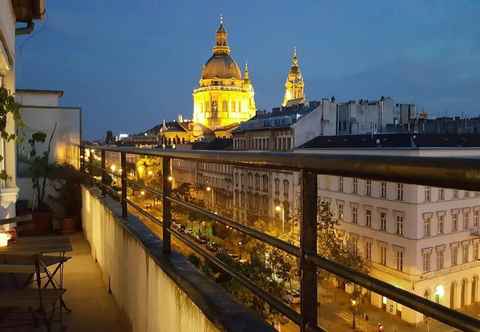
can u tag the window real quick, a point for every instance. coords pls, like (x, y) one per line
(476, 219)
(340, 184)
(286, 186)
(399, 191)
(455, 193)
(368, 218)
(354, 246)
(354, 215)
(340, 210)
(454, 222)
(369, 188)
(440, 259)
(383, 193)
(355, 185)
(465, 253)
(466, 220)
(428, 194)
(383, 221)
(257, 182)
(277, 187)
(476, 246)
(441, 194)
(454, 255)
(441, 224)
(399, 228)
(427, 228)
(399, 258)
(368, 251)
(426, 260)
(383, 255)
(265, 183)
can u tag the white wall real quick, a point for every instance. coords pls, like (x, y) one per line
(38, 98)
(149, 298)
(321, 121)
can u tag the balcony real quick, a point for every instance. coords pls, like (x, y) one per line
(167, 217)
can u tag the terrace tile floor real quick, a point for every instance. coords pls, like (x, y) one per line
(93, 308)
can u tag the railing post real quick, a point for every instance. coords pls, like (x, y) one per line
(104, 173)
(123, 159)
(166, 208)
(308, 245)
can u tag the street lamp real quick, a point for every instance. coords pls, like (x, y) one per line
(209, 189)
(170, 178)
(280, 209)
(354, 307)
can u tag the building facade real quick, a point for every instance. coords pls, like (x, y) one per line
(223, 96)
(421, 239)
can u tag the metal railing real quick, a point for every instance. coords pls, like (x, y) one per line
(457, 173)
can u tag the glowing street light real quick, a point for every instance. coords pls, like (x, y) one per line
(170, 178)
(354, 311)
(113, 168)
(150, 172)
(142, 193)
(208, 188)
(281, 210)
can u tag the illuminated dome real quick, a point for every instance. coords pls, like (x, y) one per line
(221, 66)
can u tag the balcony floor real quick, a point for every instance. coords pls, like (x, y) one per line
(93, 308)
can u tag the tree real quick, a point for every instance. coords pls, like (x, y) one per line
(8, 108)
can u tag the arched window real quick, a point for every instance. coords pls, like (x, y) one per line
(225, 106)
(265, 183)
(286, 188)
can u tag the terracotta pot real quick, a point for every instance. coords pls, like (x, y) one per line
(69, 225)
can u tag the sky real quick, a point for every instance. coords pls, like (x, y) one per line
(131, 64)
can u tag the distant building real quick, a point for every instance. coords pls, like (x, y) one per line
(294, 86)
(365, 116)
(421, 239)
(223, 96)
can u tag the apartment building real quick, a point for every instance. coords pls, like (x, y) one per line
(421, 239)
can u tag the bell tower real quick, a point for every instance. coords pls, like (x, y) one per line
(294, 85)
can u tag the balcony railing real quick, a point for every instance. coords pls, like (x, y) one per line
(457, 173)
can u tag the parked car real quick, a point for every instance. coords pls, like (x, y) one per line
(212, 246)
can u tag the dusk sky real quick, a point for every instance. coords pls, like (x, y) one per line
(131, 64)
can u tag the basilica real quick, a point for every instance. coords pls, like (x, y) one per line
(225, 97)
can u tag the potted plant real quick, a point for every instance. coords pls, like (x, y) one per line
(40, 170)
(68, 197)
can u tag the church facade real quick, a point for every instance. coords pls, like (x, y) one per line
(224, 96)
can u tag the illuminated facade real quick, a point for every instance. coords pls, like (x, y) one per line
(294, 86)
(223, 97)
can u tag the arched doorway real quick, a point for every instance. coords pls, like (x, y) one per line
(474, 289)
(463, 294)
(453, 292)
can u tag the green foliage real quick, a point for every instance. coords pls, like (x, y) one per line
(40, 167)
(8, 107)
(67, 187)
